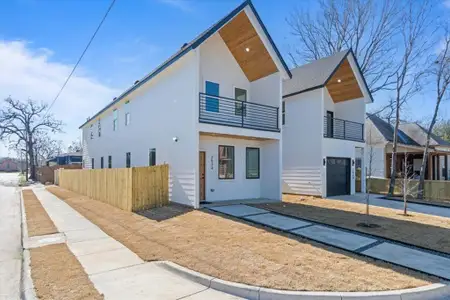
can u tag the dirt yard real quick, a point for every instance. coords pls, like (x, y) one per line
(418, 229)
(233, 250)
(38, 221)
(62, 278)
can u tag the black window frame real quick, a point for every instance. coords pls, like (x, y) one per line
(152, 157)
(128, 160)
(101, 163)
(92, 163)
(246, 162)
(330, 124)
(109, 161)
(99, 128)
(233, 161)
(283, 112)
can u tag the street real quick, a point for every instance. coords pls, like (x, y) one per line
(10, 237)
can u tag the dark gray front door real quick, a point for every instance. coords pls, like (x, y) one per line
(338, 176)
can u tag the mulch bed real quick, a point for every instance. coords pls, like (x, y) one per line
(234, 250)
(38, 221)
(57, 274)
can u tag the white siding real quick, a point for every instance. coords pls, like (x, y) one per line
(160, 110)
(351, 110)
(266, 186)
(302, 143)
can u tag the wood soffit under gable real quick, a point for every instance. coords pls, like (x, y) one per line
(239, 34)
(348, 88)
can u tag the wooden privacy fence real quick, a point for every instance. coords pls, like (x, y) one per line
(46, 174)
(130, 189)
(433, 189)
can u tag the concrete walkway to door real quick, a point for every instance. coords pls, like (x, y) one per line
(367, 245)
(378, 200)
(116, 271)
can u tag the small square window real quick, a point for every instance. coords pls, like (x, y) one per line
(92, 163)
(101, 162)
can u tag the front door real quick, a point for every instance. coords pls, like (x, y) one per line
(202, 175)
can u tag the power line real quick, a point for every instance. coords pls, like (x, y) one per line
(81, 57)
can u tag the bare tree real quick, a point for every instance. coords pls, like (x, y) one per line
(46, 147)
(442, 129)
(415, 43)
(22, 121)
(366, 26)
(408, 184)
(75, 146)
(441, 74)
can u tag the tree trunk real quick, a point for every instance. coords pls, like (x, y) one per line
(32, 162)
(394, 151)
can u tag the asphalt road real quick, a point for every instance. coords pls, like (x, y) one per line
(10, 237)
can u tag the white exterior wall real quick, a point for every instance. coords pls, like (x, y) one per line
(160, 110)
(302, 144)
(267, 186)
(351, 110)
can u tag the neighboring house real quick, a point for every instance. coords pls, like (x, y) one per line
(9, 165)
(72, 158)
(324, 107)
(411, 142)
(211, 111)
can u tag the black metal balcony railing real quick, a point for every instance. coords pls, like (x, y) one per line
(236, 113)
(343, 129)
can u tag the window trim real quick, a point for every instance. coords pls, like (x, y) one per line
(243, 106)
(233, 160)
(246, 162)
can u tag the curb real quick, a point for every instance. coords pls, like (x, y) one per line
(27, 291)
(433, 291)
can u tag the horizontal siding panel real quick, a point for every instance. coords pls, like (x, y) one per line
(305, 181)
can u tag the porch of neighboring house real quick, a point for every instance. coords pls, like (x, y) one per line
(436, 169)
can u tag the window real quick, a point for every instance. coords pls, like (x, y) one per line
(239, 107)
(127, 114)
(91, 132)
(109, 162)
(252, 163)
(92, 163)
(212, 103)
(128, 159)
(115, 120)
(283, 113)
(101, 162)
(152, 157)
(99, 128)
(330, 125)
(226, 162)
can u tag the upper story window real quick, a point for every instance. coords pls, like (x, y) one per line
(91, 132)
(109, 162)
(92, 163)
(127, 113)
(99, 128)
(152, 157)
(115, 112)
(128, 160)
(239, 107)
(283, 113)
(101, 162)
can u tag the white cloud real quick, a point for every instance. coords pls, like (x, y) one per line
(29, 73)
(183, 5)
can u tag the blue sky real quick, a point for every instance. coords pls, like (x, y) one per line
(40, 41)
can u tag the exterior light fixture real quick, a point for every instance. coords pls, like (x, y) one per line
(339, 81)
(175, 139)
(247, 49)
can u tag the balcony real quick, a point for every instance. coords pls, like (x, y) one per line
(231, 112)
(343, 129)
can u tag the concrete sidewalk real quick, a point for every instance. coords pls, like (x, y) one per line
(410, 257)
(377, 200)
(10, 237)
(116, 271)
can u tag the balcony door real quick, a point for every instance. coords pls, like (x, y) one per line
(330, 125)
(212, 103)
(240, 107)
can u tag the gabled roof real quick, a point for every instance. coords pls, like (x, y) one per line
(317, 74)
(419, 134)
(193, 45)
(387, 131)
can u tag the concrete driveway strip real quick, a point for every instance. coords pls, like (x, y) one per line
(334, 237)
(10, 237)
(415, 259)
(238, 210)
(277, 221)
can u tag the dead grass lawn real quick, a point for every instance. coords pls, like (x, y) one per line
(57, 274)
(418, 229)
(38, 221)
(232, 250)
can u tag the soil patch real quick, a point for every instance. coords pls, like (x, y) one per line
(38, 221)
(57, 274)
(233, 250)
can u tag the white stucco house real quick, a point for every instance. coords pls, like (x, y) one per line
(211, 111)
(324, 108)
